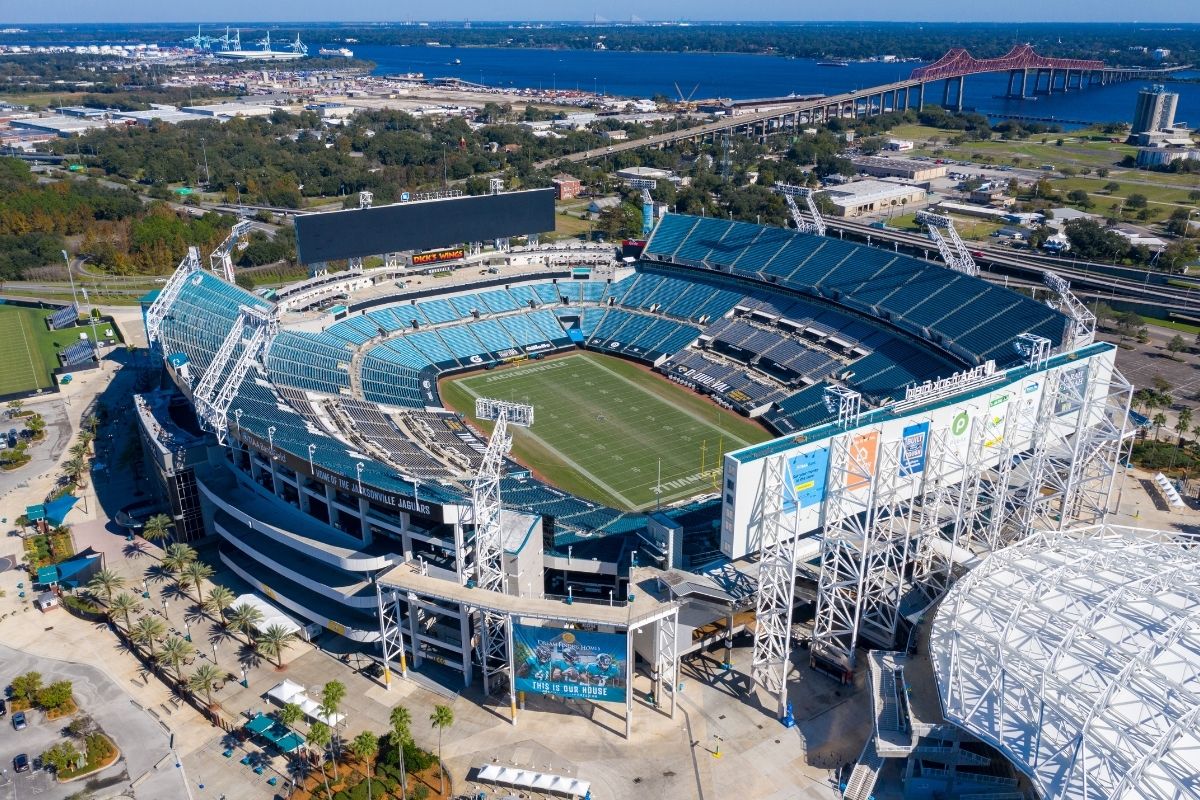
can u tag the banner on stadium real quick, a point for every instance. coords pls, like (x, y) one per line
(806, 472)
(914, 444)
(864, 449)
(438, 256)
(564, 663)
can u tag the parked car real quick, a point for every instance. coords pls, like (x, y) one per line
(21, 763)
(19, 722)
(3, 709)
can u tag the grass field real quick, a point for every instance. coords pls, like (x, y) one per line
(28, 351)
(601, 424)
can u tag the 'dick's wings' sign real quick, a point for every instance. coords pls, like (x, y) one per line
(438, 256)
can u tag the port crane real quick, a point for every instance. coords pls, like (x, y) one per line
(685, 103)
(790, 192)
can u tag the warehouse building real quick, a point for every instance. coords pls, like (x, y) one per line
(907, 168)
(857, 198)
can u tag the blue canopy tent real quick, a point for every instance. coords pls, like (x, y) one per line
(56, 510)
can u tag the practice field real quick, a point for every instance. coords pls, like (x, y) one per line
(22, 359)
(601, 425)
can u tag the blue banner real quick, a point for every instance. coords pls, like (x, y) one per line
(913, 448)
(565, 663)
(807, 476)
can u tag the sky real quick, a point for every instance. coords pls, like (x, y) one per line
(233, 11)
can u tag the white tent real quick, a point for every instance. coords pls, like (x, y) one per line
(284, 692)
(287, 691)
(272, 615)
(542, 782)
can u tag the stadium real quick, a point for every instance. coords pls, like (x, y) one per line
(460, 470)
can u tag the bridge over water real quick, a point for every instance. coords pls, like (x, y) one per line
(1022, 62)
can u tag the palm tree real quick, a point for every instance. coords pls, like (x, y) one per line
(219, 599)
(401, 722)
(124, 605)
(319, 736)
(243, 618)
(332, 694)
(441, 717)
(203, 678)
(147, 631)
(74, 469)
(195, 573)
(365, 746)
(174, 652)
(78, 450)
(1158, 421)
(290, 714)
(273, 641)
(106, 582)
(157, 528)
(178, 556)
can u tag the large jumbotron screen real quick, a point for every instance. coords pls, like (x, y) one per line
(423, 225)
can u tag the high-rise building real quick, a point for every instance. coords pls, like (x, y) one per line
(1155, 110)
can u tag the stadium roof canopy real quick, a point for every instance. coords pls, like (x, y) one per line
(1077, 654)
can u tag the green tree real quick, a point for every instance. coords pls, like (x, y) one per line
(1182, 424)
(441, 717)
(1112, 186)
(203, 679)
(244, 618)
(332, 695)
(124, 606)
(178, 556)
(1176, 346)
(273, 641)
(195, 573)
(365, 746)
(174, 652)
(62, 756)
(106, 582)
(290, 714)
(320, 737)
(148, 631)
(26, 687)
(400, 720)
(157, 528)
(219, 598)
(55, 696)
(1158, 421)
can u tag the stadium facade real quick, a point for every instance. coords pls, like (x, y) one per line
(900, 390)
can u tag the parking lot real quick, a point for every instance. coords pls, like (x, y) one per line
(143, 742)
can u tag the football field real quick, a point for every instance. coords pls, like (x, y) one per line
(602, 426)
(22, 360)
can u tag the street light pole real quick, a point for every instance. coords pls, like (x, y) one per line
(70, 277)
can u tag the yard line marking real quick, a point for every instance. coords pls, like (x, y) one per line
(701, 420)
(579, 467)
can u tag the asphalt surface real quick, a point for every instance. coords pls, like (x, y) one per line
(143, 741)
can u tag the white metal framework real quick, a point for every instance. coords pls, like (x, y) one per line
(220, 261)
(844, 402)
(776, 584)
(489, 538)
(869, 516)
(954, 252)
(170, 293)
(1043, 457)
(1083, 322)
(1077, 654)
(244, 346)
(790, 193)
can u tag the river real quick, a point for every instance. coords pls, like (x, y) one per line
(738, 76)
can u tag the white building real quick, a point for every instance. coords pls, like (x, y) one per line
(899, 145)
(857, 198)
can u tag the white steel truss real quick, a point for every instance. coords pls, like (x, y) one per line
(869, 519)
(666, 670)
(170, 293)
(1082, 331)
(220, 261)
(219, 385)
(844, 402)
(954, 252)
(790, 193)
(391, 633)
(488, 569)
(776, 583)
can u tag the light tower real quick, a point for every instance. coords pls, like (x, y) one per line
(954, 252)
(489, 536)
(220, 261)
(790, 193)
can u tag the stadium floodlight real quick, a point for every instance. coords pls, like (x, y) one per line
(790, 192)
(844, 402)
(1083, 322)
(1033, 348)
(512, 413)
(951, 246)
(170, 293)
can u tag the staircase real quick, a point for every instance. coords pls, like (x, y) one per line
(865, 774)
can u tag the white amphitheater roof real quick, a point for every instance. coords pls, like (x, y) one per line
(1077, 654)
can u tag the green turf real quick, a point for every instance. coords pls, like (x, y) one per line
(601, 424)
(28, 351)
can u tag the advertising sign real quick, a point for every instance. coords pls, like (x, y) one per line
(864, 449)
(438, 256)
(565, 663)
(914, 444)
(1071, 386)
(807, 475)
